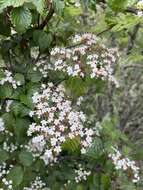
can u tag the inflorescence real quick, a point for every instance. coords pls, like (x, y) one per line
(125, 164)
(58, 121)
(86, 57)
(37, 184)
(81, 174)
(8, 78)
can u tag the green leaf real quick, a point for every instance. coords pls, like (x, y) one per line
(76, 86)
(39, 4)
(9, 120)
(21, 18)
(26, 99)
(96, 150)
(42, 39)
(34, 76)
(125, 22)
(58, 6)
(117, 5)
(19, 109)
(105, 181)
(5, 91)
(72, 11)
(20, 129)
(19, 77)
(14, 3)
(16, 175)
(26, 158)
(5, 26)
(3, 156)
(71, 145)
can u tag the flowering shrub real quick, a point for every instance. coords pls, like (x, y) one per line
(50, 137)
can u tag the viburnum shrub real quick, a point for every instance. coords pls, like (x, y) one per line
(49, 63)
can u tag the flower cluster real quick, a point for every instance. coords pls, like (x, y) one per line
(42, 67)
(8, 104)
(37, 184)
(85, 57)
(8, 78)
(139, 6)
(2, 128)
(9, 147)
(125, 164)
(58, 121)
(81, 174)
(4, 170)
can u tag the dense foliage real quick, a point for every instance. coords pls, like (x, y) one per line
(71, 88)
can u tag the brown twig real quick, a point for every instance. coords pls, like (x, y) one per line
(132, 38)
(47, 19)
(131, 10)
(132, 66)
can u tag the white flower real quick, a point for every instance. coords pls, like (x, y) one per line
(8, 104)
(81, 174)
(57, 122)
(124, 164)
(2, 128)
(8, 78)
(140, 13)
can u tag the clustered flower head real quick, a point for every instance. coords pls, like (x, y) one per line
(37, 184)
(8, 78)
(57, 122)
(85, 57)
(139, 6)
(2, 128)
(125, 164)
(42, 67)
(8, 104)
(9, 147)
(4, 183)
(81, 174)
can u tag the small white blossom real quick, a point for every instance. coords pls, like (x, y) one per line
(37, 184)
(58, 121)
(81, 174)
(125, 164)
(8, 78)
(2, 128)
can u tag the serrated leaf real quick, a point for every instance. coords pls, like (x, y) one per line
(96, 150)
(3, 156)
(9, 120)
(73, 11)
(39, 4)
(19, 77)
(58, 6)
(105, 181)
(71, 145)
(16, 175)
(19, 109)
(5, 91)
(34, 76)
(42, 39)
(5, 26)
(117, 5)
(20, 129)
(21, 18)
(26, 158)
(125, 22)
(14, 3)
